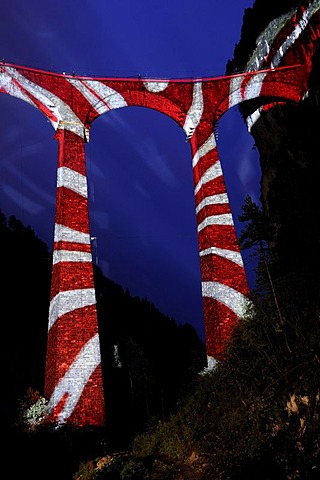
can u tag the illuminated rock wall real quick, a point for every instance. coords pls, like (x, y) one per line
(286, 136)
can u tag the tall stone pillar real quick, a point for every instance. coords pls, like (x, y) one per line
(224, 284)
(73, 378)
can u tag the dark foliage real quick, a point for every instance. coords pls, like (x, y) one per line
(25, 271)
(156, 361)
(149, 362)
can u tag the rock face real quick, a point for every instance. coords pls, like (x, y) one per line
(287, 137)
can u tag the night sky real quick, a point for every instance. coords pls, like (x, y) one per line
(142, 212)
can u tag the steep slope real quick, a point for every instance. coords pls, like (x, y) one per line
(148, 360)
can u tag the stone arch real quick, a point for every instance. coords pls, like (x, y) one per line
(73, 372)
(284, 84)
(173, 153)
(139, 98)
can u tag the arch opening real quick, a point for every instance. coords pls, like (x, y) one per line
(142, 210)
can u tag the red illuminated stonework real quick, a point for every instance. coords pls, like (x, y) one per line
(279, 69)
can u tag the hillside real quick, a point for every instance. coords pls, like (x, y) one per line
(148, 360)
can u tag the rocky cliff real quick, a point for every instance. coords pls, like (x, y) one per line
(286, 135)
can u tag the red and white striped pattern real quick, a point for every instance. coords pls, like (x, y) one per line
(288, 39)
(72, 103)
(73, 374)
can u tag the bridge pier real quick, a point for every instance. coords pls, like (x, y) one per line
(73, 379)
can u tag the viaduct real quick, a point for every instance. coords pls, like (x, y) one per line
(278, 70)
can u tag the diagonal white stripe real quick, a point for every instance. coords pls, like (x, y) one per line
(65, 302)
(223, 219)
(76, 378)
(73, 180)
(231, 298)
(71, 256)
(66, 234)
(208, 145)
(235, 95)
(12, 88)
(225, 253)
(195, 111)
(220, 198)
(60, 109)
(100, 96)
(213, 172)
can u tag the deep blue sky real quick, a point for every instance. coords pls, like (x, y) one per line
(139, 165)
